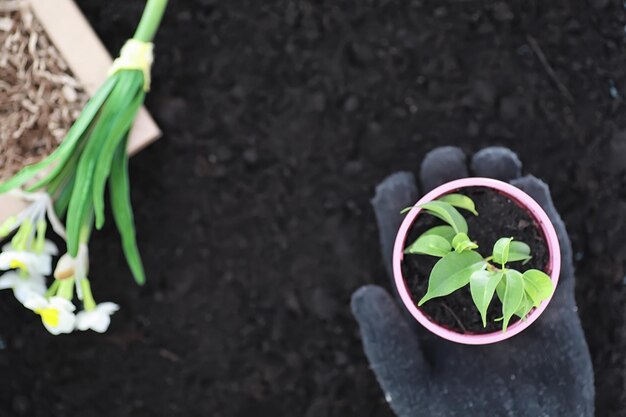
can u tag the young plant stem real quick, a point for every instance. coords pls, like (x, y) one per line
(53, 288)
(66, 288)
(88, 301)
(40, 239)
(150, 20)
(20, 240)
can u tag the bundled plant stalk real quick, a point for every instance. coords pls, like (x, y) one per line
(70, 184)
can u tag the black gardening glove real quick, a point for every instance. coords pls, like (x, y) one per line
(543, 371)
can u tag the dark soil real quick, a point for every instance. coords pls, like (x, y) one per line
(253, 212)
(499, 216)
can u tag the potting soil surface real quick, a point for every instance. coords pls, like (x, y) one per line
(253, 212)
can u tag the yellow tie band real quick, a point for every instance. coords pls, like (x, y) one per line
(135, 55)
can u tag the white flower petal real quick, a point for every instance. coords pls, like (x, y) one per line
(67, 322)
(35, 301)
(25, 287)
(42, 264)
(62, 304)
(32, 263)
(24, 293)
(107, 308)
(101, 323)
(93, 320)
(53, 330)
(98, 319)
(83, 320)
(5, 259)
(49, 248)
(56, 314)
(8, 279)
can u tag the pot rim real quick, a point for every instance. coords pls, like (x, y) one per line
(521, 198)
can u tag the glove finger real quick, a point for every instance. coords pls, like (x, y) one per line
(393, 350)
(496, 162)
(396, 192)
(540, 192)
(441, 165)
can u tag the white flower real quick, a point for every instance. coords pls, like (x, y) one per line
(23, 285)
(57, 313)
(29, 262)
(97, 319)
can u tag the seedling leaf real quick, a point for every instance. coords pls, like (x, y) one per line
(538, 286)
(452, 272)
(500, 289)
(460, 201)
(519, 251)
(524, 308)
(513, 295)
(446, 232)
(447, 213)
(501, 250)
(430, 245)
(462, 242)
(483, 284)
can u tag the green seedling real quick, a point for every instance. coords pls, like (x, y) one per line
(461, 265)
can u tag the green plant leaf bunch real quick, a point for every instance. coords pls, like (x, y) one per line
(93, 154)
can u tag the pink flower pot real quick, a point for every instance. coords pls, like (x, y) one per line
(534, 210)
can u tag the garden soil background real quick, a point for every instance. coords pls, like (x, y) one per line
(253, 212)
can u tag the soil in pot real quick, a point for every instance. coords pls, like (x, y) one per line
(499, 216)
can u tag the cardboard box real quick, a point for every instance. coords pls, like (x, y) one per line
(89, 60)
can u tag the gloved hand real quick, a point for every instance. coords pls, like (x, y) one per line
(543, 371)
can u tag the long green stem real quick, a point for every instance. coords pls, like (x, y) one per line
(150, 20)
(88, 301)
(66, 288)
(53, 288)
